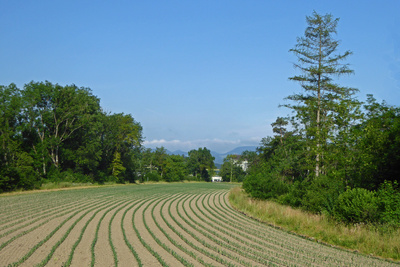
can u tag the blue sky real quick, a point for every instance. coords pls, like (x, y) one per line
(193, 73)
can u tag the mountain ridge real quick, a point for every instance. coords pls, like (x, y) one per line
(219, 157)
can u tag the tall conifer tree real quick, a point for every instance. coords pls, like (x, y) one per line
(317, 107)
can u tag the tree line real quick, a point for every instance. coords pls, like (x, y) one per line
(54, 133)
(59, 133)
(158, 165)
(334, 154)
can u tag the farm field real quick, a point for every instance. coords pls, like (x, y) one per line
(182, 224)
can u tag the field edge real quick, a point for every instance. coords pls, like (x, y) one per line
(255, 209)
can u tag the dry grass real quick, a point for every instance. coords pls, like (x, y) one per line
(57, 187)
(365, 239)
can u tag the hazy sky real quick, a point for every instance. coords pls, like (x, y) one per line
(193, 73)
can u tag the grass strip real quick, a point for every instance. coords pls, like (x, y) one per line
(362, 238)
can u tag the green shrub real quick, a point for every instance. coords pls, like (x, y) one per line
(295, 195)
(321, 194)
(102, 178)
(264, 186)
(56, 176)
(357, 205)
(389, 203)
(152, 176)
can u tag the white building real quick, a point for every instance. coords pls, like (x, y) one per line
(244, 164)
(216, 179)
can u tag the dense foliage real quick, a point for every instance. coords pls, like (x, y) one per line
(54, 133)
(335, 155)
(60, 133)
(158, 165)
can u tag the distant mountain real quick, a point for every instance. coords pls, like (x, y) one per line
(241, 149)
(219, 157)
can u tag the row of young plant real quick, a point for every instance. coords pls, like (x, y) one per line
(333, 154)
(34, 208)
(71, 217)
(77, 215)
(180, 231)
(226, 239)
(184, 247)
(82, 208)
(282, 246)
(229, 241)
(171, 249)
(28, 216)
(276, 238)
(251, 244)
(192, 223)
(215, 252)
(312, 251)
(36, 223)
(293, 246)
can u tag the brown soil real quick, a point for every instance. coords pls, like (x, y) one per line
(102, 251)
(178, 239)
(219, 227)
(125, 256)
(21, 246)
(82, 255)
(147, 238)
(194, 214)
(145, 256)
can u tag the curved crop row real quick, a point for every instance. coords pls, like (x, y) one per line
(187, 224)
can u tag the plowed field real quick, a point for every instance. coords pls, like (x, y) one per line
(188, 224)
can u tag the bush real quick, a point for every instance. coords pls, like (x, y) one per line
(321, 194)
(389, 203)
(57, 176)
(356, 206)
(152, 176)
(295, 195)
(264, 186)
(102, 178)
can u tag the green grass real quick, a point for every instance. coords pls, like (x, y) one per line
(51, 185)
(365, 239)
